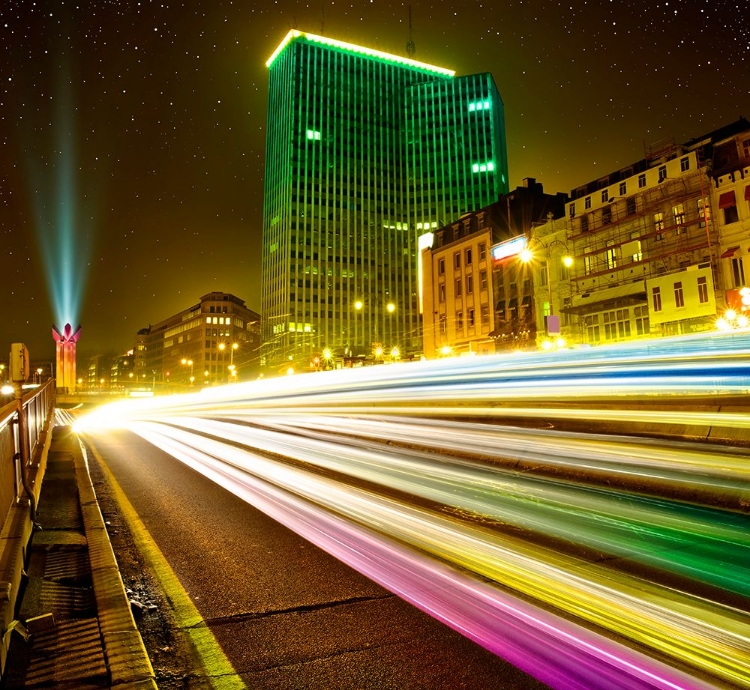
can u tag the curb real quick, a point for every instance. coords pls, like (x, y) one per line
(127, 659)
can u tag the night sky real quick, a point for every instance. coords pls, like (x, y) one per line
(132, 134)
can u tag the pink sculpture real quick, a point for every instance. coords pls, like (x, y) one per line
(66, 356)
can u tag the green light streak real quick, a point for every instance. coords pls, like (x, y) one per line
(357, 50)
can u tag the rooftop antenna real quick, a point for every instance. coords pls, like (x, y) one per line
(410, 47)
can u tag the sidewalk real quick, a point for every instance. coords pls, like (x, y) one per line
(81, 632)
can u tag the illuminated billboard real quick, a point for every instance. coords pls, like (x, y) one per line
(511, 247)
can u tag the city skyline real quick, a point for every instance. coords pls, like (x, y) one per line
(139, 135)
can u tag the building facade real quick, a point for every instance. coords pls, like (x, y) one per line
(213, 342)
(365, 151)
(656, 247)
(477, 293)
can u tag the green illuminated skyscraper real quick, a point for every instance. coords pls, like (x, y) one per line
(365, 152)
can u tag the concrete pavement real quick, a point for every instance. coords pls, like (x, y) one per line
(76, 626)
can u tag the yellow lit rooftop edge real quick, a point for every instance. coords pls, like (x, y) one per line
(294, 34)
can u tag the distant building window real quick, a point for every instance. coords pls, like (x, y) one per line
(468, 256)
(485, 314)
(443, 324)
(606, 215)
(483, 279)
(659, 225)
(746, 148)
(704, 212)
(656, 299)
(587, 202)
(592, 328)
(678, 212)
(313, 135)
(441, 267)
(588, 262)
(584, 223)
(702, 290)
(457, 260)
(605, 196)
(482, 251)
(630, 205)
(611, 256)
(623, 188)
(662, 173)
(459, 320)
(641, 320)
(616, 324)
(730, 215)
(471, 318)
(738, 272)
(458, 287)
(684, 164)
(469, 284)
(641, 180)
(638, 253)
(441, 292)
(572, 210)
(489, 166)
(479, 105)
(679, 295)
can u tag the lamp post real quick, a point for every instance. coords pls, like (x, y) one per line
(222, 347)
(390, 308)
(189, 363)
(527, 255)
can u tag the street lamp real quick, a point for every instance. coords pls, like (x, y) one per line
(188, 362)
(390, 307)
(527, 256)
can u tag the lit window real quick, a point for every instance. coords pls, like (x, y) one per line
(704, 212)
(611, 257)
(313, 134)
(483, 167)
(659, 225)
(678, 212)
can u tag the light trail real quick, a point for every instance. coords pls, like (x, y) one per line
(645, 540)
(556, 652)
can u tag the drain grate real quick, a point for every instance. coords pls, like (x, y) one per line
(69, 653)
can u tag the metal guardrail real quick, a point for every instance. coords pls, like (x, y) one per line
(20, 438)
(24, 422)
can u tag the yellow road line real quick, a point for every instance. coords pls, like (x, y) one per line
(218, 669)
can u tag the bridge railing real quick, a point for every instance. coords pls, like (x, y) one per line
(24, 423)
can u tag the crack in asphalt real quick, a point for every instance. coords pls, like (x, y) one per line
(223, 620)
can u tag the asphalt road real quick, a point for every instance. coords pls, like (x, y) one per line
(286, 614)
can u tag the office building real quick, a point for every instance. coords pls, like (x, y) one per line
(365, 152)
(214, 342)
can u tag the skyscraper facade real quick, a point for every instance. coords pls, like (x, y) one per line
(365, 152)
